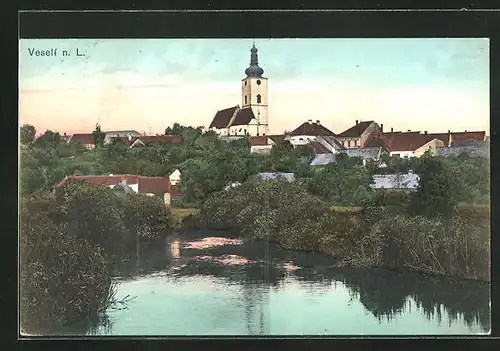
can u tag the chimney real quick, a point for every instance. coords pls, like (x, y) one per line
(425, 132)
(449, 131)
(317, 121)
(409, 131)
(357, 122)
(309, 121)
(381, 128)
(392, 130)
(64, 134)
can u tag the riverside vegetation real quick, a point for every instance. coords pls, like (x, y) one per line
(71, 242)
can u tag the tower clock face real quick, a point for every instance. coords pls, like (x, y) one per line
(258, 82)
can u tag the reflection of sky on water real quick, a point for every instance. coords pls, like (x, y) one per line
(226, 294)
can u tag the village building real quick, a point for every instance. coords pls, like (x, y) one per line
(277, 175)
(405, 144)
(252, 117)
(109, 135)
(307, 132)
(471, 148)
(398, 181)
(366, 154)
(151, 186)
(149, 140)
(85, 140)
(264, 143)
(359, 134)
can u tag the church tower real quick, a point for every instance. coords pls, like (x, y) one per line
(254, 93)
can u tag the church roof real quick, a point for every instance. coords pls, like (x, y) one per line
(243, 117)
(223, 117)
(254, 70)
(311, 129)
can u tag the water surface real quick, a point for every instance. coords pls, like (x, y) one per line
(191, 285)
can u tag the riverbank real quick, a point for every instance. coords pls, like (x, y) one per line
(369, 237)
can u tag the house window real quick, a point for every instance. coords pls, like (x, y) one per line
(245, 82)
(396, 155)
(258, 82)
(245, 99)
(245, 131)
(349, 143)
(259, 99)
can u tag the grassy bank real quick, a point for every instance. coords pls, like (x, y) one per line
(183, 216)
(360, 237)
(69, 245)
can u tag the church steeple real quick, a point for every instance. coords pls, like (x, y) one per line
(254, 70)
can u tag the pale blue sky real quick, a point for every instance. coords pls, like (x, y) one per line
(419, 84)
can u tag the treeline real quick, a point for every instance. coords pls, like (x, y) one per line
(70, 244)
(208, 164)
(372, 237)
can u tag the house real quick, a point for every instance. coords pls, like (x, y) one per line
(175, 177)
(151, 186)
(86, 140)
(65, 138)
(308, 131)
(264, 143)
(405, 144)
(366, 154)
(473, 149)
(109, 135)
(359, 134)
(277, 175)
(151, 139)
(401, 181)
(458, 138)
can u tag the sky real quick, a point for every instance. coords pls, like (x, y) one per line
(426, 84)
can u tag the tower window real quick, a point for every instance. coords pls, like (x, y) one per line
(245, 82)
(259, 98)
(245, 99)
(258, 81)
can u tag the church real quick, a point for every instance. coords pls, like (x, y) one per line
(251, 118)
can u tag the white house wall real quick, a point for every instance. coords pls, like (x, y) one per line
(301, 139)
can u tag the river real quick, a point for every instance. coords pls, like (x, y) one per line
(200, 283)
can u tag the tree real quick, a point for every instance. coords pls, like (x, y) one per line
(99, 136)
(436, 192)
(27, 134)
(49, 139)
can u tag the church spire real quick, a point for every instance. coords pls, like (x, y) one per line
(254, 70)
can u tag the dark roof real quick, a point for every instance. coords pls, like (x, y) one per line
(124, 140)
(277, 139)
(312, 129)
(356, 130)
(243, 117)
(318, 148)
(84, 139)
(223, 117)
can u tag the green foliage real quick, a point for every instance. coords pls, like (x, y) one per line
(27, 133)
(48, 140)
(344, 182)
(70, 242)
(99, 136)
(436, 193)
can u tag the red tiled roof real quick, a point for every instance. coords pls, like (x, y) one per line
(155, 185)
(84, 139)
(243, 117)
(223, 117)
(258, 140)
(311, 129)
(407, 141)
(318, 148)
(465, 136)
(356, 130)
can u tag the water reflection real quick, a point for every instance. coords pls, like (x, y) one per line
(224, 286)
